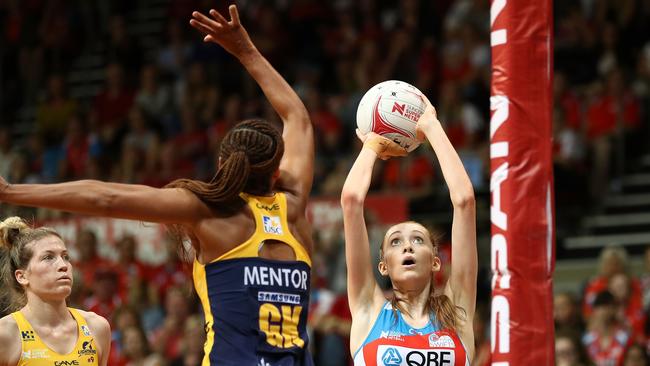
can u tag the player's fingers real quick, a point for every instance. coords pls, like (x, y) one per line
(201, 27)
(206, 21)
(234, 14)
(218, 17)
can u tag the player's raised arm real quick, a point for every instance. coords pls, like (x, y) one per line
(363, 290)
(125, 201)
(464, 261)
(298, 162)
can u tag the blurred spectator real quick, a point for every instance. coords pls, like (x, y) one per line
(173, 57)
(333, 179)
(104, 299)
(463, 122)
(140, 149)
(629, 309)
(196, 95)
(55, 111)
(412, 176)
(613, 260)
(132, 271)
(566, 100)
(144, 297)
(232, 113)
(173, 272)
(122, 48)
(566, 313)
(135, 347)
(645, 278)
(569, 170)
(190, 148)
(19, 171)
(269, 36)
(612, 112)
(167, 338)
(152, 98)
(78, 146)
(191, 347)
(328, 128)
(111, 107)
(641, 83)
(58, 36)
(568, 350)
(7, 153)
(636, 356)
(606, 339)
(88, 260)
(124, 317)
(333, 331)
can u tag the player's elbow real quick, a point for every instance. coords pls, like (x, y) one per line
(300, 115)
(464, 199)
(351, 199)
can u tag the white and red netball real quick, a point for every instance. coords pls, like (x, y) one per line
(392, 109)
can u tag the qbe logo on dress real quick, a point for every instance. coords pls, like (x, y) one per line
(391, 357)
(398, 355)
(272, 225)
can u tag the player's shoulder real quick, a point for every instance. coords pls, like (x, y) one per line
(9, 341)
(8, 329)
(296, 206)
(97, 323)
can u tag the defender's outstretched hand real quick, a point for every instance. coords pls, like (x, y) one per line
(383, 147)
(229, 34)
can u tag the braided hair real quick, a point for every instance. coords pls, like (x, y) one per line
(249, 155)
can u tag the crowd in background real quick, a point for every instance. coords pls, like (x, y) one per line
(161, 114)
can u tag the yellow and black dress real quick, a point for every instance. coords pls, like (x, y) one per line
(256, 308)
(36, 353)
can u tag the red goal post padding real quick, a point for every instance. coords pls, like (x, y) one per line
(521, 183)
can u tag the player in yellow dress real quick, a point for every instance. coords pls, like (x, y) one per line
(36, 277)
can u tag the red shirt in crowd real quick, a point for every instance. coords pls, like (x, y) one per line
(111, 110)
(602, 115)
(611, 354)
(600, 284)
(418, 172)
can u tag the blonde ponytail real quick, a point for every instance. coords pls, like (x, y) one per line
(10, 230)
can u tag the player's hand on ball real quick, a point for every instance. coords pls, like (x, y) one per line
(428, 117)
(230, 35)
(383, 147)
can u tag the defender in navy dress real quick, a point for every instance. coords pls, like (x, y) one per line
(256, 308)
